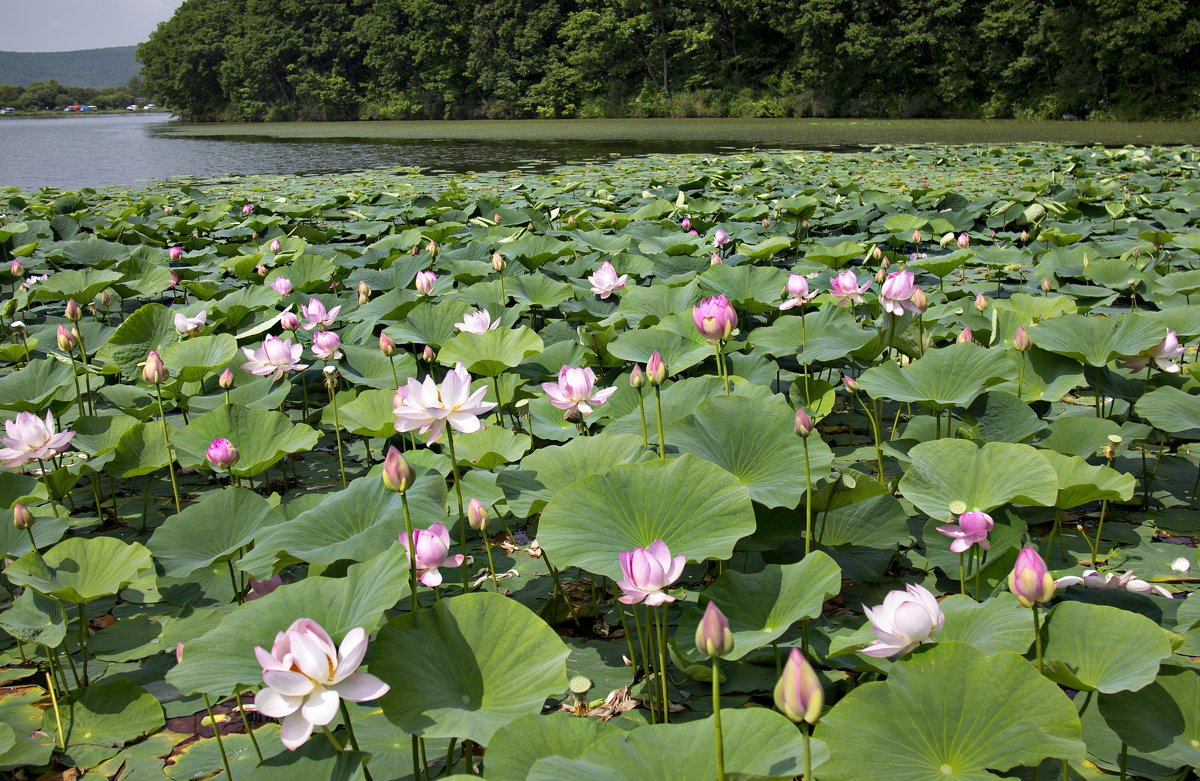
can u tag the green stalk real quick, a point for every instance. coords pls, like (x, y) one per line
(83, 624)
(1021, 375)
(87, 380)
(662, 442)
(237, 697)
(487, 546)
(62, 739)
(217, 733)
(237, 593)
(412, 553)
(808, 776)
(162, 416)
(353, 738)
(416, 750)
(724, 367)
(395, 377)
(1099, 529)
(642, 411)
(661, 620)
(962, 574)
(49, 492)
(716, 696)
(628, 638)
(1037, 637)
(450, 763)
(462, 518)
(647, 658)
(807, 500)
(75, 377)
(337, 432)
(875, 432)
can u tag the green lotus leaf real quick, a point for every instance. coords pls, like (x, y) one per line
(1161, 720)
(82, 285)
(1170, 409)
(223, 658)
(516, 746)
(262, 437)
(942, 265)
(490, 447)
(999, 623)
(1000, 417)
(749, 288)
(14, 542)
(834, 255)
(696, 508)
(81, 569)
(538, 290)
(365, 365)
(1094, 341)
(829, 334)
(947, 471)
(904, 223)
(98, 720)
(468, 667)
(759, 744)
(680, 353)
(368, 414)
(679, 400)
(756, 442)
(491, 352)
(533, 251)
(429, 323)
(1079, 435)
(33, 746)
(874, 522)
(192, 359)
(1100, 648)
(656, 301)
(547, 470)
(142, 277)
(762, 606)
(35, 618)
(938, 716)
(945, 377)
(210, 530)
(1048, 377)
(1080, 482)
(140, 450)
(32, 387)
(202, 758)
(100, 434)
(671, 244)
(151, 327)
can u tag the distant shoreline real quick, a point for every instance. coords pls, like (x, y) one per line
(65, 114)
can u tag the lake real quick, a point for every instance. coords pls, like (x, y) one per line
(114, 149)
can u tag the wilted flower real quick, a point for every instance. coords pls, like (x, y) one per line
(275, 358)
(845, 288)
(431, 548)
(647, 571)
(656, 369)
(477, 321)
(797, 292)
(425, 281)
(1164, 354)
(715, 318)
(720, 238)
(428, 407)
(605, 281)
(574, 391)
(316, 316)
(896, 293)
(1104, 581)
(306, 678)
(190, 325)
(327, 345)
(175, 253)
(154, 371)
(222, 454)
(799, 695)
(904, 620)
(281, 285)
(1181, 565)
(260, 588)
(1030, 581)
(972, 529)
(31, 439)
(477, 515)
(713, 637)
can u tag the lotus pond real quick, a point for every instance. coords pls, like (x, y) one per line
(859, 466)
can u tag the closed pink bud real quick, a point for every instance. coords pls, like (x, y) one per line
(919, 300)
(425, 281)
(656, 369)
(715, 318)
(1030, 581)
(714, 259)
(427, 354)
(154, 371)
(713, 637)
(799, 695)
(981, 303)
(766, 223)
(849, 383)
(72, 312)
(804, 424)
(965, 336)
(1021, 339)
(636, 378)
(477, 515)
(720, 238)
(1024, 237)
(222, 454)
(66, 340)
(179, 653)
(16, 268)
(916, 237)
(686, 224)
(964, 241)
(431, 247)
(226, 379)
(498, 262)
(386, 345)
(105, 298)
(175, 279)
(175, 253)
(1046, 285)
(22, 518)
(877, 254)
(275, 246)
(398, 474)
(247, 210)
(289, 321)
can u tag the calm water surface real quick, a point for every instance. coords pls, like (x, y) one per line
(99, 150)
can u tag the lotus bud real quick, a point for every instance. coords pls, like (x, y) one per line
(686, 224)
(22, 518)
(570, 219)
(432, 247)
(766, 223)
(1046, 285)
(289, 321)
(275, 246)
(427, 354)
(72, 311)
(222, 454)
(17, 268)
(720, 238)
(636, 378)
(1024, 237)
(714, 259)
(1021, 340)
(66, 340)
(713, 638)
(946, 240)
(154, 371)
(916, 237)
(880, 276)
(804, 424)
(919, 300)
(981, 303)
(179, 653)
(174, 280)
(247, 210)
(477, 515)
(398, 474)
(1180, 566)
(965, 336)
(175, 253)
(1030, 581)
(877, 254)
(656, 369)
(964, 241)
(799, 695)
(849, 383)
(105, 299)
(386, 345)
(17, 325)
(364, 292)
(496, 218)
(425, 281)
(415, 249)
(498, 262)
(226, 379)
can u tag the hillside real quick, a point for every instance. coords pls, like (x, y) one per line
(109, 67)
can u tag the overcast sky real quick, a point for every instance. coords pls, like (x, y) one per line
(63, 25)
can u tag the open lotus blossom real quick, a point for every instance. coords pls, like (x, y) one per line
(275, 358)
(845, 288)
(574, 391)
(281, 285)
(647, 571)
(715, 318)
(720, 238)
(306, 678)
(797, 292)
(477, 321)
(1164, 354)
(972, 529)
(428, 407)
(605, 281)
(904, 620)
(1104, 581)
(190, 325)
(327, 345)
(896, 294)
(316, 316)
(31, 439)
(431, 549)
(424, 282)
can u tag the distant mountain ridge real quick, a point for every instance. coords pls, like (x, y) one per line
(110, 67)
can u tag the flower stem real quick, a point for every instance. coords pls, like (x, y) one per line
(628, 637)
(353, 737)
(412, 553)
(722, 367)
(162, 417)
(807, 733)
(875, 432)
(337, 433)
(962, 574)
(237, 697)
(716, 697)
(642, 411)
(808, 499)
(62, 739)
(75, 377)
(83, 624)
(336, 745)
(1021, 376)
(462, 519)
(661, 619)
(647, 658)
(1099, 528)
(487, 546)
(217, 734)
(49, 492)
(1037, 637)
(662, 442)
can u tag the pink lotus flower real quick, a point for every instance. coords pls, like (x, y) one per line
(222, 454)
(275, 358)
(1030, 581)
(1105, 581)
(797, 292)
(316, 316)
(174, 279)
(424, 282)
(327, 345)
(306, 677)
(647, 571)
(713, 636)
(247, 209)
(605, 282)
(799, 695)
(896, 294)
(720, 239)
(31, 439)
(260, 588)
(275, 246)
(715, 318)
(477, 321)
(904, 620)
(972, 529)
(432, 550)
(574, 391)
(1164, 354)
(281, 285)
(964, 241)
(175, 253)
(190, 325)
(846, 289)
(16, 268)
(428, 407)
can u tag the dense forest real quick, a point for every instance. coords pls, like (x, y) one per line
(110, 67)
(409, 59)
